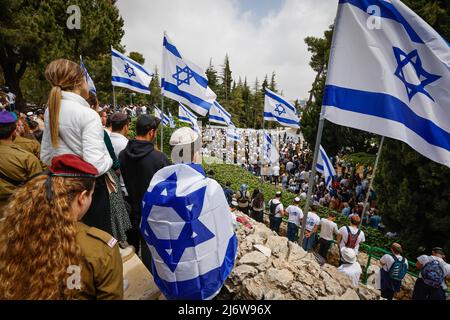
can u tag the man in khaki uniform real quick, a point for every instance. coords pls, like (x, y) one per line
(30, 145)
(101, 261)
(16, 165)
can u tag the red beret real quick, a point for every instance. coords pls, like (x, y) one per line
(72, 164)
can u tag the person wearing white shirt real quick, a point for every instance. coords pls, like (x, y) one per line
(276, 212)
(350, 266)
(72, 127)
(295, 215)
(355, 239)
(434, 272)
(389, 285)
(312, 224)
(120, 127)
(328, 228)
(276, 173)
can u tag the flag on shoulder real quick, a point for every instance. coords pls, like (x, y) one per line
(271, 154)
(218, 115)
(127, 73)
(183, 81)
(390, 74)
(185, 115)
(325, 167)
(277, 108)
(188, 228)
(88, 78)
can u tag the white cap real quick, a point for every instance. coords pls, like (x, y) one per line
(297, 199)
(183, 136)
(348, 255)
(30, 113)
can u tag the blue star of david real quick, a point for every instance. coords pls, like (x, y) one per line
(425, 78)
(189, 75)
(280, 109)
(188, 207)
(129, 71)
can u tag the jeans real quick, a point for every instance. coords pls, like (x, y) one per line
(324, 247)
(308, 243)
(292, 231)
(275, 223)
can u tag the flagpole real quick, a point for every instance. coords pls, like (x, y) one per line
(114, 99)
(162, 100)
(366, 202)
(312, 176)
(262, 152)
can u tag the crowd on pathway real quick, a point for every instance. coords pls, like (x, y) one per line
(71, 198)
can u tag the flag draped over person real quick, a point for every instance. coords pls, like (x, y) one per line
(188, 227)
(127, 73)
(325, 167)
(185, 115)
(88, 78)
(276, 108)
(183, 81)
(393, 80)
(218, 115)
(271, 154)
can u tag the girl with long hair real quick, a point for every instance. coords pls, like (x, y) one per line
(258, 206)
(72, 127)
(45, 252)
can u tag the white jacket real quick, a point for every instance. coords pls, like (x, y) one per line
(80, 133)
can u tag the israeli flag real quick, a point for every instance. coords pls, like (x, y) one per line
(160, 115)
(187, 225)
(185, 82)
(127, 73)
(325, 167)
(185, 115)
(389, 73)
(276, 108)
(171, 121)
(218, 115)
(233, 135)
(271, 154)
(88, 78)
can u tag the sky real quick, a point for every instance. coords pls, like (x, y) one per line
(260, 36)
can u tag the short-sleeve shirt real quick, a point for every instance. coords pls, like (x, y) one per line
(387, 260)
(424, 259)
(295, 214)
(343, 232)
(327, 229)
(278, 209)
(311, 221)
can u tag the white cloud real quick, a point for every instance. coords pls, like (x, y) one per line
(204, 29)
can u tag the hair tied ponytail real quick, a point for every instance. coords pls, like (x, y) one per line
(54, 107)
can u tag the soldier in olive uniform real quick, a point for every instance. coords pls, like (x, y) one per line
(16, 164)
(27, 144)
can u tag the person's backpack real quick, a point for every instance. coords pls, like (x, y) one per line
(243, 197)
(352, 238)
(432, 274)
(398, 269)
(273, 208)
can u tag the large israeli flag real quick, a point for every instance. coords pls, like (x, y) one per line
(185, 115)
(88, 78)
(129, 74)
(218, 115)
(271, 154)
(325, 167)
(184, 81)
(276, 108)
(188, 228)
(390, 74)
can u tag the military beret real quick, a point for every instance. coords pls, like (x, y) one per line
(70, 164)
(7, 117)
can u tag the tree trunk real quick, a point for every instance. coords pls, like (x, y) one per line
(12, 80)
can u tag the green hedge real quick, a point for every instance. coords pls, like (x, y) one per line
(236, 176)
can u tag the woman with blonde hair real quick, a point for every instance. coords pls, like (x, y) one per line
(72, 127)
(45, 252)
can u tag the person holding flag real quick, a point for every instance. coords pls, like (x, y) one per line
(187, 225)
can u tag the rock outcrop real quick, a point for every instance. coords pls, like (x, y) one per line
(270, 267)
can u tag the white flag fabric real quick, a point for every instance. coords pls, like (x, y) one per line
(187, 225)
(127, 73)
(276, 108)
(325, 167)
(185, 115)
(185, 82)
(271, 154)
(160, 115)
(232, 134)
(218, 115)
(393, 80)
(88, 78)
(171, 121)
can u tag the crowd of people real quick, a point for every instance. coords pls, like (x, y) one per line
(74, 191)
